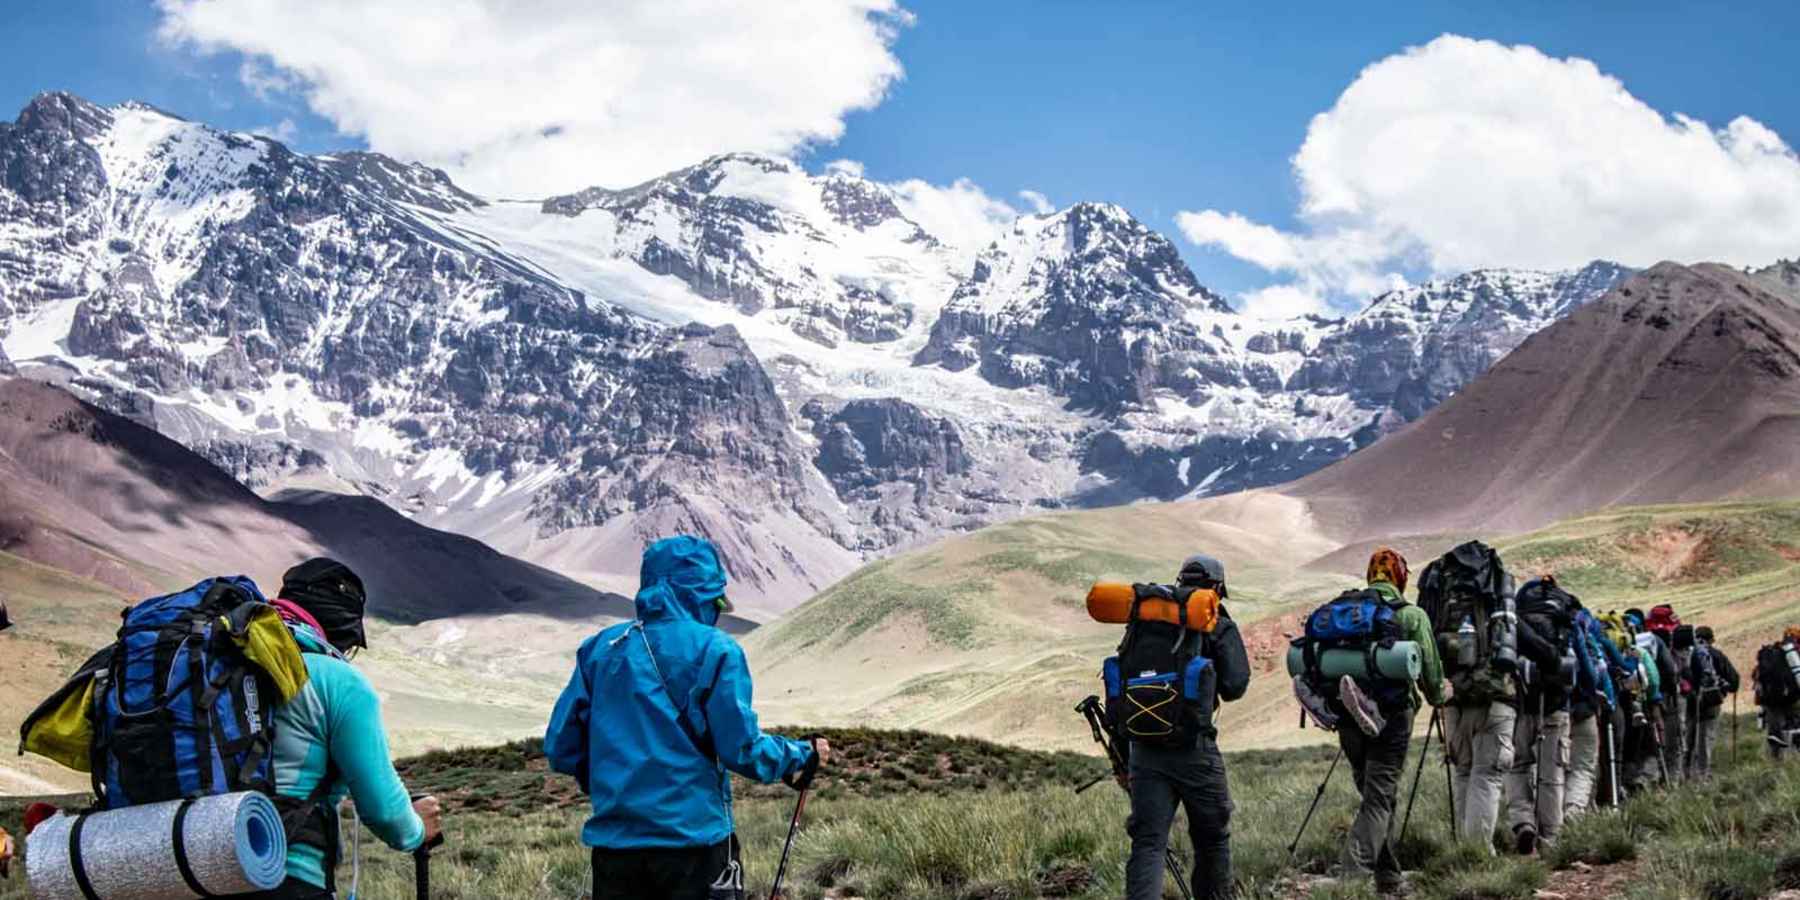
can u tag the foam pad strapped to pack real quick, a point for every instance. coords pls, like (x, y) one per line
(225, 844)
(1110, 602)
(1400, 662)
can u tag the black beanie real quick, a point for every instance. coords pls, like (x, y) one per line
(333, 595)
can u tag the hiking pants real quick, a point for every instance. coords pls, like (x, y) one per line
(676, 873)
(1644, 757)
(1376, 764)
(1781, 723)
(1584, 764)
(1706, 738)
(1194, 780)
(1481, 746)
(1537, 776)
(1675, 739)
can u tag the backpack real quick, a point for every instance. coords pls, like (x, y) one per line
(1708, 686)
(1468, 597)
(1161, 688)
(182, 706)
(1550, 611)
(1777, 684)
(1361, 619)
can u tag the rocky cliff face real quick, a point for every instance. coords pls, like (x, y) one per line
(783, 361)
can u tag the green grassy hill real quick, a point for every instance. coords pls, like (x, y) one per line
(985, 633)
(923, 817)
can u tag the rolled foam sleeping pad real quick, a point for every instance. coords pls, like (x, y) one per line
(234, 844)
(1400, 662)
(1110, 602)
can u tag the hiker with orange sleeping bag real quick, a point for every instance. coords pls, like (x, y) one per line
(1180, 657)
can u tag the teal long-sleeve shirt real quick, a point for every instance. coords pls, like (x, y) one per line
(336, 720)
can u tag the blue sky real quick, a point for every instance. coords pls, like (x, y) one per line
(1162, 107)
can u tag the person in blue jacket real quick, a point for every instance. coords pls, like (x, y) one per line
(655, 718)
(1591, 707)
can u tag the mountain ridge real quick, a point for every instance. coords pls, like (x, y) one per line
(529, 373)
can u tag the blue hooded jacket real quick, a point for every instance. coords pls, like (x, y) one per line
(658, 712)
(1594, 677)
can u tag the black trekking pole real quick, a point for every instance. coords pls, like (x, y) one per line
(1320, 795)
(801, 781)
(422, 866)
(1734, 739)
(1418, 776)
(1537, 766)
(1095, 713)
(1449, 776)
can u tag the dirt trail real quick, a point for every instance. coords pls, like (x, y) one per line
(1582, 881)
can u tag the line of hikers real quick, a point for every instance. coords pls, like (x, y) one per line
(1551, 708)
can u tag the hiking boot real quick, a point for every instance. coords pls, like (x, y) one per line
(1525, 840)
(1392, 885)
(1363, 711)
(1315, 706)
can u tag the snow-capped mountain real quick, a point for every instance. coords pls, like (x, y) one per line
(783, 361)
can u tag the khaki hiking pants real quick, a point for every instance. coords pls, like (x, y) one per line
(1584, 765)
(1534, 785)
(1481, 747)
(1705, 740)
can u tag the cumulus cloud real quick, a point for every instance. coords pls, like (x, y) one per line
(1466, 153)
(283, 131)
(543, 96)
(960, 214)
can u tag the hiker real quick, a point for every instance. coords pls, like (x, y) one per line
(1538, 775)
(1644, 733)
(1714, 677)
(1593, 710)
(1777, 685)
(329, 740)
(1182, 766)
(655, 718)
(1677, 685)
(1377, 749)
(1469, 597)
(1664, 694)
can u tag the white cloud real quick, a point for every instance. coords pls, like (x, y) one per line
(1283, 301)
(1037, 202)
(848, 167)
(960, 214)
(282, 131)
(1464, 153)
(541, 96)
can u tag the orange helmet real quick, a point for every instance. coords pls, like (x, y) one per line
(1386, 564)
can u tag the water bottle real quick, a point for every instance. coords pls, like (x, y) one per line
(1465, 644)
(1567, 667)
(1793, 658)
(1503, 636)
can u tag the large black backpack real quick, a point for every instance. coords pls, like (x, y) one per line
(1709, 687)
(1776, 683)
(1161, 688)
(1550, 611)
(1469, 585)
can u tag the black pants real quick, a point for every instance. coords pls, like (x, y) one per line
(1376, 764)
(683, 873)
(1195, 780)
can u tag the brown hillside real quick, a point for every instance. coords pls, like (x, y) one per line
(1682, 384)
(98, 496)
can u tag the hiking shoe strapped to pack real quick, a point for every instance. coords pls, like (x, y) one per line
(1317, 707)
(1363, 711)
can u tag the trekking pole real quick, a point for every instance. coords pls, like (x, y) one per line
(1537, 762)
(1320, 795)
(1734, 738)
(422, 867)
(1418, 776)
(1449, 777)
(801, 782)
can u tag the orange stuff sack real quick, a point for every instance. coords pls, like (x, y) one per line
(1110, 602)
